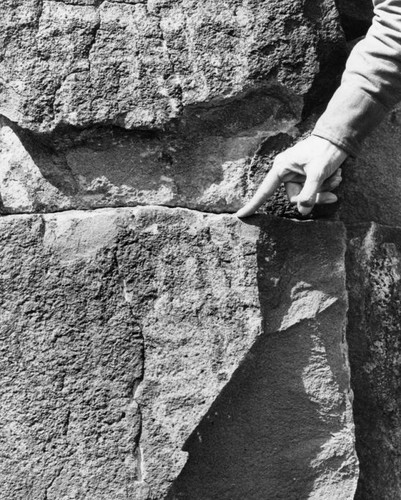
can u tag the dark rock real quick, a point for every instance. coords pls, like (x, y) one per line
(373, 276)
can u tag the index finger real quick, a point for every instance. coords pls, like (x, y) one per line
(265, 190)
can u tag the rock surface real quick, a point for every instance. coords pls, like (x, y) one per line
(245, 361)
(137, 64)
(371, 187)
(165, 102)
(374, 282)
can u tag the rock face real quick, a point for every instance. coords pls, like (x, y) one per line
(164, 353)
(371, 190)
(374, 270)
(160, 102)
(244, 363)
(136, 64)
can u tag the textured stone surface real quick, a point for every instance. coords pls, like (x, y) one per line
(371, 187)
(71, 356)
(374, 271)
(243, 328)
(203, 164)
(199, 85)
(137, 64)
(281, 427)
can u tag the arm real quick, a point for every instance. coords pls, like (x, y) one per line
(371, 85)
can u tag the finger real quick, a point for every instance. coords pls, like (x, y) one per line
(325, 198)
(293, 189)
(265, 190)
(307, 197)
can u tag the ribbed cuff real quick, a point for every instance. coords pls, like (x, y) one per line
(349, 118)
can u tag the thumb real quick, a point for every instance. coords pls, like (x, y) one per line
(307, 197)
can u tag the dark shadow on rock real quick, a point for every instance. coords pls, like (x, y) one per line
(262, 433)
(356, 17)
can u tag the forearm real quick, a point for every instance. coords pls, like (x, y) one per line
(371, 84)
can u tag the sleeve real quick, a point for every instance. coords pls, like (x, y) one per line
(371, 83)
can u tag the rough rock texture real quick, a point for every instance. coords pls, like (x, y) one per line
(248, 307)
(371, 191)
(374, 274)
(199, 85)
(154, 353)
(136, 64)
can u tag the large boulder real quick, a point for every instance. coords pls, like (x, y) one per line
(128, 334)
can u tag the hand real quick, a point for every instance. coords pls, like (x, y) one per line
(309, 170)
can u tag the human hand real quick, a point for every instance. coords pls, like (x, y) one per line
(309, 171)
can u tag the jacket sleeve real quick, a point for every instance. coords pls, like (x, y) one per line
(371, 83)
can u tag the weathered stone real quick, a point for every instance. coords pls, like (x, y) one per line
(371, 187)
(243, 327)
(208, 81)
(137, 64)
(374, 271)
(202, 164)
(71, 357)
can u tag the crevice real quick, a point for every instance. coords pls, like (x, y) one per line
(56, 476)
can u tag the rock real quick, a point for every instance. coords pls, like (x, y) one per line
(110, 103)
(203, 164)
(137, 64)
(71, 357)
(370, 191)
(373, 266)
(244, 363)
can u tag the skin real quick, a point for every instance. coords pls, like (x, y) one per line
(309, 170)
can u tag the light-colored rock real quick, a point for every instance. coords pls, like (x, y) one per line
(244, 366)
(374, 282)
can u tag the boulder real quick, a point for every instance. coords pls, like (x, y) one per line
(130, 335)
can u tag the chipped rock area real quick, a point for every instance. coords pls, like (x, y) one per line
(130, 334)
